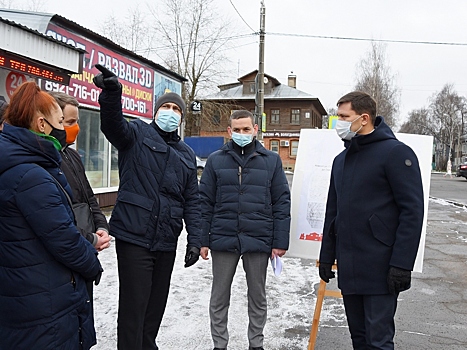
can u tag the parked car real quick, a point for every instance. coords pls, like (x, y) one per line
(462, 170)
(200, 164)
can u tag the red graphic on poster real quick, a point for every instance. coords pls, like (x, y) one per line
(136, 79)
(312, 236)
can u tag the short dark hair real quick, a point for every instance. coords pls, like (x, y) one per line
(239, 114)
(361, 103)
(64, 99)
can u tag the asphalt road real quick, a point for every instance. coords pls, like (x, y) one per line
(433, 313)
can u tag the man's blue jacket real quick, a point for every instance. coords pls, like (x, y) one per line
(158, 182)
(245, 201)
(374, 211)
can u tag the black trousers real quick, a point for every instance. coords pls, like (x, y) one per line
(371, 320)
(144, 278)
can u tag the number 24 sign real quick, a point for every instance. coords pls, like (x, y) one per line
(13, 80)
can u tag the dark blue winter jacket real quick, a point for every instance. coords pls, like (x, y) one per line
(158, 182)
(44, 260)
(374, 211)
(245, 201)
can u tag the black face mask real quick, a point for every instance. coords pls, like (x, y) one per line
(60, 135)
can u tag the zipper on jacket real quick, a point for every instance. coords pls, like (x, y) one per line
(240, 174)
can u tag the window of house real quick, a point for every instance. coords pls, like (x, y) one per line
(295, 116)
(216, 118)
(293, 148)
(275, 116)
(252, 87)
(274, 146)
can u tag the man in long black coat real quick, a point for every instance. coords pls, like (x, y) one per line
(373, 221)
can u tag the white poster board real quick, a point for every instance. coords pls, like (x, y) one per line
(316, 151)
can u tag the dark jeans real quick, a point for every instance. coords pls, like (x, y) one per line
(371, 320)
(144, 278)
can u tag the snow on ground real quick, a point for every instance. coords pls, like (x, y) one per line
(291, 302)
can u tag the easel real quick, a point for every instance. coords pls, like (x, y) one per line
(322, 292)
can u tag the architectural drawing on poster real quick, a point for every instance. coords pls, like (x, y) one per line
(316, 152)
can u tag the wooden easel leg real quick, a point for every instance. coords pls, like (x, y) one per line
(316, 316)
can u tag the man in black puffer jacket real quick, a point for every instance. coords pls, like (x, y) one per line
(158, 189)
(245, 200)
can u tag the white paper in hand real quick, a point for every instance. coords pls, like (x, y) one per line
(276, 264)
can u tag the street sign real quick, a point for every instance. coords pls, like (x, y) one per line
(196, 107)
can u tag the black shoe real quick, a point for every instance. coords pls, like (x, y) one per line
(220, 348)
(258, 348)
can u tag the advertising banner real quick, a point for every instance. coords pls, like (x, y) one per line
(163, 84)
(316, 152)
(136, 79)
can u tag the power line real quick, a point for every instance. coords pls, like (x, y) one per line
(367, 39)
(241, 16)
(241, 36)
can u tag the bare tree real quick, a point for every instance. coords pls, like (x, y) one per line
(131, 32)
(36, 5)
(447, 117)
(29, 5)
(375, 78)
(6, 3)
(193, 38)
(419, 122)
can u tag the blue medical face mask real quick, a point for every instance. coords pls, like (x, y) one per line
(242, 139)
(168, 120)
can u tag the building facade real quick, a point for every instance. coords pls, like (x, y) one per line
(286, 111)
(143, 81)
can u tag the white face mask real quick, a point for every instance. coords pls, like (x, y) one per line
(343, 129)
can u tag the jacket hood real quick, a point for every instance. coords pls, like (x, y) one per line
(382, 132)
(19, 146)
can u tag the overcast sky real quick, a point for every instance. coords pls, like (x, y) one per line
(326, 68)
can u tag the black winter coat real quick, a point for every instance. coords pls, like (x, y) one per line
(75, 174)
(44, 260)
(245, 201)
(158, 182)
(374, 211)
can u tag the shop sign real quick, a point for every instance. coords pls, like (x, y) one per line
(136, 79)
(29, 67)
(281, 134)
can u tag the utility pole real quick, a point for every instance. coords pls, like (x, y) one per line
(259, 84)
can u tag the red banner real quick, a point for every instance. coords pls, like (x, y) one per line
(136, 79)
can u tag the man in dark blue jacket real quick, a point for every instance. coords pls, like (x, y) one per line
(245, 200)
(373, 221)
(158, 189)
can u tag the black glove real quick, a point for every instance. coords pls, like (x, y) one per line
(325, 272)
(97, 279)
(106, 79)
(398, 280)
(192, 256)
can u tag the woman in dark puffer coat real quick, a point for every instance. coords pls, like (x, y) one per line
(44, 260)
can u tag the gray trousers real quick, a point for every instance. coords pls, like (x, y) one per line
(224, 265)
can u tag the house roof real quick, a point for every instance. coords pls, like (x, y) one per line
(234, 91)
(280, 91)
